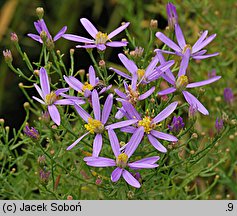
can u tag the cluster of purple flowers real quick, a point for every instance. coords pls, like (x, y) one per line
(98, 124)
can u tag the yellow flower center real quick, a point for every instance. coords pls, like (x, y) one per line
(187, 46)
(101, 38)
(140, 73)
(94, 126)
(182, 82)
(121, 160)
(50, 98)
(146, 123)
(87, 86)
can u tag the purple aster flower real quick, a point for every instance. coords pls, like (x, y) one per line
(41, 27)
(44, 175)
(97, 124)
(149, 124)
(31, 132)
(122, 158)
(143, 76)
(172, 15)
(86, 88)
(228, 95)
(219, 125)
(196, 51)
(177, 124)
(181, 83)
(51, 98)
(100, 40)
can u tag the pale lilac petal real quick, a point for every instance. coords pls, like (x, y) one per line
(120, 94)
(120, 73)
(64, 102)
(131, 111)
(165, 113)
(54, 114)
(88, 46)
(60, 91)
(199, 53)
(179, 36)
(119, 114)
(121, 124)
(146, 94)
(38, 26)
(199, 41)
(82, 112)
(166, 51)
(118, 30)
(100, 162)
(204, 43)
(100, 47)
(44, 82)
(96, 104)
(205, 56)
(77, 141)
(142, 165)
(164, 136)
(74, 83)
(168, 42)
(134, 141)
(149, 160)
(114, 142)
(97, 145)
(105, 89)
(107, 108)
(44, 27)
(117, 43)
(167, 78)
(202, 83)
(35, 37)
(194, 101)
(90, 28)
(92, 77)
(130, 179)
(184, 63)
(156, 144)
(39, 100)
(76, 99)
(76, 38)
(151, 66)
(167, 91)
(39, 91)
(116, 174)
(129, 64)
(60, 33)
(128, 129)
(87, 93)
(134, 81)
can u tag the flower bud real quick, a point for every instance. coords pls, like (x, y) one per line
(14, 37)
(228, 95)
(7, 56)
(39, 12)
(153, 24)
(219, 125)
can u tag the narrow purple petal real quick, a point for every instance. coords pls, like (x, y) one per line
(179, 36)
(134, 141)
(74, 83)
(107, 108)
(117, 43)
(88, 46)
(129, 64)
(204, 43)
(101, 47)
(114, 142)
(38, 26)
(61, 90)
(130, 179)
(156, 144)
(90, 28)
(105, 89)
(120, 94)
(44, 82)
(205, 56)
(146, 94)
(120, 73)
(54, 114)
(202, 83)
(167, 91)
(100, 162)
(82, 112)
(132, 112)
(96, 104)
(92, 77)
(168, 42)
(199, 53)
(151, 66)
(121, 124)
(39, 91)
(184, 62)
(77, 141)
(64, 102)
(44, 27)
(60, 33)
(149, 160)
(142, 165)
(199, 41)
(39, 100)
(97, 145)
(134, 81)
(166, 51)
(118, 30)
(116, 174)
(194, 101)
(87, 93)
(119, 114)
(165, 113)
(76, 38)
(35, 37)
(128, 129)
(164, 136)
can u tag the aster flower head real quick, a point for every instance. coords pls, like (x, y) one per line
(42, 29)
(97, 125)
(149, 124)
(228, 95)
(177, 124)
(219, 125)
(86, 88)
(122, 159)
(181, 83)
(7, 56)
(51, 98)
(31, 132)
(100, 40)
(172, 15)
(183, 49)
